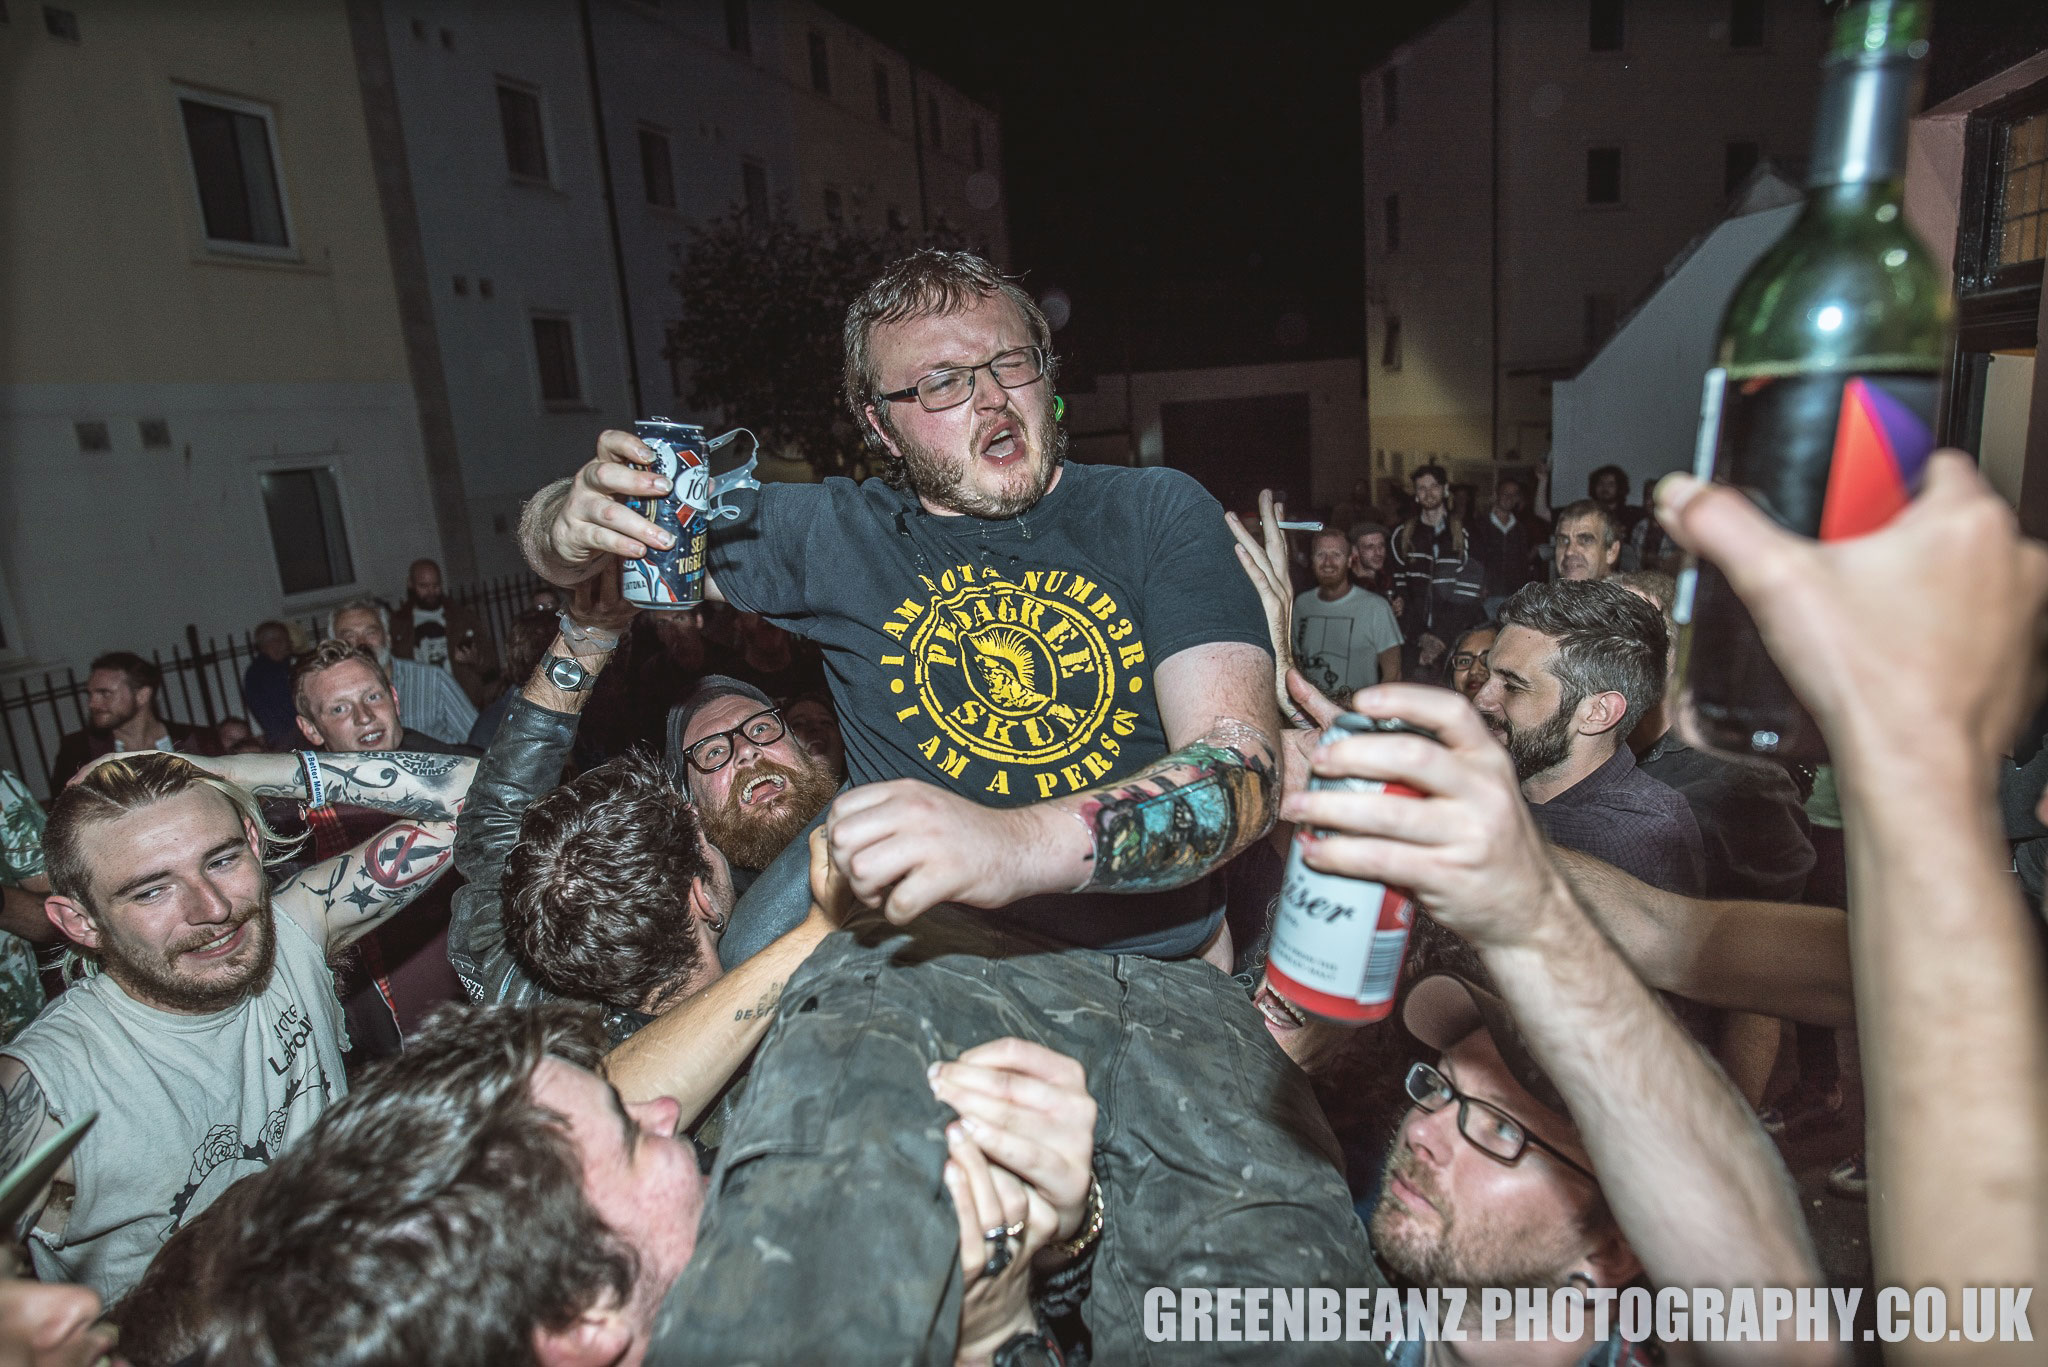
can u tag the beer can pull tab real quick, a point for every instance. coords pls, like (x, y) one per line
(732, 481)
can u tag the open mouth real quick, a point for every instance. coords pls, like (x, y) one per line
(1003, 444)
(764, 789)
(370, 740)
(221, 945)
(1281, 1017)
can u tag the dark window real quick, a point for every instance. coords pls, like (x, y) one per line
(1600, 315)
(821, 64)
(483, 286)
(237, 177)
(526, 147)
(155, 432)
(931, 106)
(974, 142)
(554, 346)
(657, 173)
(672, 351)
(1745, 23)
(61, 23)
(1390, 345)
(1603, 175)
(2020, 234)
(754, 181)
(93, 436)
(884, 110)
(1390, 96)
(1738, 159)
(835, 212)
(306, 531)
(462, 285)
(1393, 223)
(1604, 25)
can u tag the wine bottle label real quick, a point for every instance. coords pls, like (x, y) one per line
(1828, 454)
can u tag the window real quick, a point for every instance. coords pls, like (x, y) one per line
(1604, 26)
(1603, 175)
(657, 172)
(526, 147)
(821, 64)
(1745, 23)
(235, 168)
(1738, 159)
(835, 212)
(1600, 316)
(306, 531)
(884, 110)
(672, 351)
(931, 107)
(554, 348)
(754, 182)
(155, 433)
(2021, 231)
(1390, 96)
(93, 436)
(1390, 345)
(1393, 223)
(739, 33)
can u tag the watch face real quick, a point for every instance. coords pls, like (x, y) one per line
(566, 674)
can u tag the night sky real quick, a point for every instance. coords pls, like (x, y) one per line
(1194, 168)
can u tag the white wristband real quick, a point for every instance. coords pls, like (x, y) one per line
(316, 789)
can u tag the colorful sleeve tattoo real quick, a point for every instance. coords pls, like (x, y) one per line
(1183, 816)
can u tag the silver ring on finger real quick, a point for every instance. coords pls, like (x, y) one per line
(1000, 1254)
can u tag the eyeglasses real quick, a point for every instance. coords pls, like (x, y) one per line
(1465, 659)
(1486, 1127)
(715, 751)
(953, 386)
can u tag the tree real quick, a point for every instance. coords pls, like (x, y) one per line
(764, 305)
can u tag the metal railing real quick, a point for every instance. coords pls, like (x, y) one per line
(202, 681)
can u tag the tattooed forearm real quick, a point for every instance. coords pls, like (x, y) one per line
(23, 1112)
(763, 1008)
(1185, 815)
(353, 893)
(429, 787)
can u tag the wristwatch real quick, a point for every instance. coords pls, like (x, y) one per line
(1035, 1347)
(566, 672)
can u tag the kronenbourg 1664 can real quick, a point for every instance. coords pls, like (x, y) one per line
(1338, 943)
(673, 579)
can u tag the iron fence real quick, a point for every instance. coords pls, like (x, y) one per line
(202, 681)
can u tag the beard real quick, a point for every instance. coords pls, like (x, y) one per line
(157, 977)
(942, 479)
(751, 837)
(1487, 1251)
(1539, 749)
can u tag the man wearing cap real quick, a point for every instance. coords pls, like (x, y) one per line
(1568, 1133)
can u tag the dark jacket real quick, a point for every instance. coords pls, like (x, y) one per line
(1752, 826)
(1440, 584)
(1509, 556)
(81, 748)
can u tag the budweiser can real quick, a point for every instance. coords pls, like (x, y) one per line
(1338, 943)
(673, 579)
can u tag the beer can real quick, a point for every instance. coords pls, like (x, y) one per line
(673, 580)
(1338, 943)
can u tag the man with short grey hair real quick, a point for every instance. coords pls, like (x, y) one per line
(434, 703)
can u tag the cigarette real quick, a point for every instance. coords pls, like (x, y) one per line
(1299, 526)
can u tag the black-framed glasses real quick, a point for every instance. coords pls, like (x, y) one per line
(715, 751)
(1486, 1127)
(1465, 659)
(953, 386)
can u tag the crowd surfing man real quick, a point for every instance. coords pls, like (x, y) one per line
(205, 1033)
(1040, 722)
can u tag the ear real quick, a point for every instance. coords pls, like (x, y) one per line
(397, 707)
(1611, 1262)
(1601, 712)
(72, 920)
(699, 902)
(1614, 554)
(306, 730)
(254, 837)
(874, 421)
(597, 1337)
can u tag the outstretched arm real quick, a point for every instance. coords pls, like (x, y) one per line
(401, 782)
(577, 526)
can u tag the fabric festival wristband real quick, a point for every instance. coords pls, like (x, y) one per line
(316, 790)
(579, 636)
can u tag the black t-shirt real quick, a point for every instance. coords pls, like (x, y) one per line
(1009, 661)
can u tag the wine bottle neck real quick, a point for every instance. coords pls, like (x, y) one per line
(1859, 134)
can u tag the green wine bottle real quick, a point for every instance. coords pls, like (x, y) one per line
(1821, 404)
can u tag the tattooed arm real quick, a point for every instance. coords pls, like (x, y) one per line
(906, 846)
(340, 900)
(25, 1123)
(401, 782)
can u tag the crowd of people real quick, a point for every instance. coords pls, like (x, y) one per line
(868, 965)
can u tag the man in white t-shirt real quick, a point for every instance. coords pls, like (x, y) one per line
(1345, 637)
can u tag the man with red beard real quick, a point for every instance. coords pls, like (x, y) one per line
(205, 1034)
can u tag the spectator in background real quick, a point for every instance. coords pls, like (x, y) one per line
(1369, 560)
(23, 922)
(434, 629)
(549, 599)
(1345, 638)
(1468, 659)
(812, 717)
(267, 686)
(1588, 542)
(1505, 541)
(1574, 667)
(1441, 592)
(120, 709)
(1462, 496)
(531, 633)
(1608, 487)
(435, 706)
(235, 736)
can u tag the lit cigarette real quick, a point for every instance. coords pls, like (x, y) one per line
(1300, 526)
